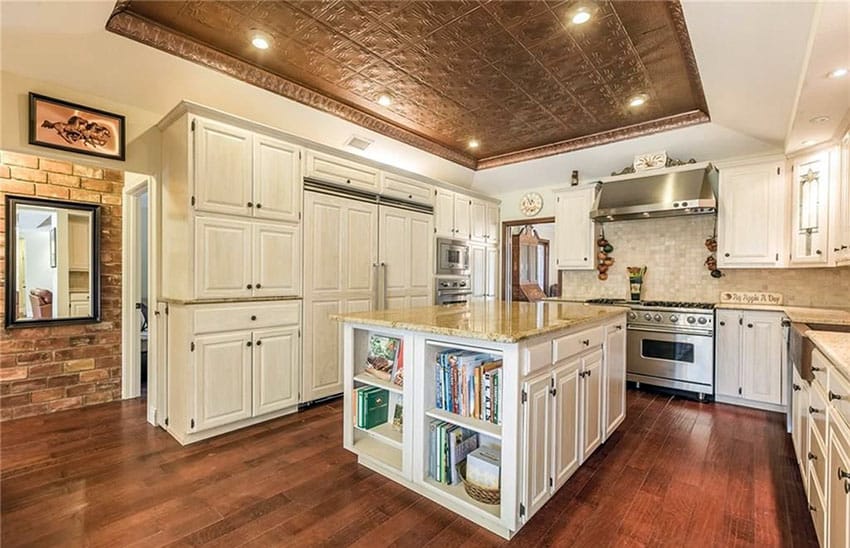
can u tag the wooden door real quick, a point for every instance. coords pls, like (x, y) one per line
(591, 396)
(478, 270)
(491, 286)
(405, 256)
(463, 217)
(222, 379)
(761, 357)
(574, 230)
(745, 239)
(615, 376)
(222, 168)
(223, 258)
(340, 275)
(444, 213)
(277, 260)
(276, 364)
(728, 353)
(838, 490)
(535, 443)
(493, 227)
(277, 180)
(566, 426)
(478, 221)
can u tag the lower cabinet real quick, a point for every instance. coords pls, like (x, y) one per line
(591, 403)
(838, 488)
(800, 422)
(231, 365)
(614, 373)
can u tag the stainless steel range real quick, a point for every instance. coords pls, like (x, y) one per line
(670, 344)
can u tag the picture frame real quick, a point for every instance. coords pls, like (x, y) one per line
(62, 125)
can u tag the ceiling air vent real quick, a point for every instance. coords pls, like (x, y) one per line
(360, 143)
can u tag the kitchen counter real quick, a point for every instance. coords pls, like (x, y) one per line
(496, 321)
(834, 345)
(799, 314)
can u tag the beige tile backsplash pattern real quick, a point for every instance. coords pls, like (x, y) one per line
(674, 252)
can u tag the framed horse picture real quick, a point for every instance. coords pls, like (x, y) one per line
(76, 128)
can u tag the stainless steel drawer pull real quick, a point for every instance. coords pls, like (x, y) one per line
(833, 396)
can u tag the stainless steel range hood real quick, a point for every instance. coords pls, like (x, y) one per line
(682, 190)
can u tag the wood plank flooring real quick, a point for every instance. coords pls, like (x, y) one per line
(676, 473)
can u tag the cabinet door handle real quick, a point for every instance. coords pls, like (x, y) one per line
(250, 204)
(253, 318)
(726, 255)
(258, 286)
(842, 474)
(259, 343)
(249, 286)
(819, 252)
(812, 508)
(619, 327)
(796, 387)
(846, 488)
(812, 410)
(722, 323)
(750, 325)
(249, 343)
(833, 396)
(259, 205)
(348, 181)
(586, 342)
(814, 368)
(843, 247)
(812, 456)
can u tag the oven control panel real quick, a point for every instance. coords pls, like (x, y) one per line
(681, 319)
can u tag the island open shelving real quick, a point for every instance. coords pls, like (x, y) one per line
(522, 434)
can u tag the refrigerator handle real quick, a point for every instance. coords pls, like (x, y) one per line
(384, 286)
(376, 278)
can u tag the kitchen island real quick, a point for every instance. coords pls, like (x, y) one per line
(541, 385)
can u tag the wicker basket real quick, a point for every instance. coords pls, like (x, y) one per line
(485, 496)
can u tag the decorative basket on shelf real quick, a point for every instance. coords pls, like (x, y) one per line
(482, 495)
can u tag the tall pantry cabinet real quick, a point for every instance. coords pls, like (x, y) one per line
(231, 273)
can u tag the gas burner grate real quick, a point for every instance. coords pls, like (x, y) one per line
(605, 301)
(678, 304)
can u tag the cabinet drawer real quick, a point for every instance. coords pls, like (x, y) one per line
(324, 167)
(838, 396)
(820, 369)
(230, 317)
(817, 459)
(536, 357)
(396, 186)
(817, 411)
(576, 343)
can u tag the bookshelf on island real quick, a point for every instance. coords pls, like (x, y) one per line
(485, 408)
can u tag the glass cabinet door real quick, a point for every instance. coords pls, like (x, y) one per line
(811, 209)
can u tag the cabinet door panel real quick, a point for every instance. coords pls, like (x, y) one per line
(277, 180)
(536, 432)
(799, 421)
(478, 217)
(222, 379)
(615, 377)
(478, 270)
(463, 217)
(566, 428)
(277, 260)
(444, 213)
(222, 168)
(728, 353)
(340, 171)
(838, 518)
(406, 253)
(406, 189)
(275, 369)
(574, 231)
(761, 357)
(493, 225)
(591, 396)
(492, 281)
(322, 371)
(811, 185)
(223, 258)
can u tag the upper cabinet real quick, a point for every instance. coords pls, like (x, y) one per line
(746, 239)
(485, 222)
(407, 189)
(340, 171)
(444, 213)
(461, 217)
(493, 225)
(841, 243)
(574, 230)
(810, 188)
(222, 168)
(277, 180)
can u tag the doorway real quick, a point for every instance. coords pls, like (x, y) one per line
(528, 270)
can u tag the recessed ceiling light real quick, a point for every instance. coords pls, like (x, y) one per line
(385, 100)
(638, 100)
(807, 142)
(260, 40)
(819, 119)
(581, 12)
(473, 143)
(581, 16)
(837, 73)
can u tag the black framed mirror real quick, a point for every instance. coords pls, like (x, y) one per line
(52, 262)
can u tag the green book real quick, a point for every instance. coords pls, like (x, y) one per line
(376, 407)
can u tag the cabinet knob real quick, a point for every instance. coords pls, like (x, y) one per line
(818, 251)
(258, 286)
(836, 249)
(815, 368)
(253, 318)
(796, 387)
(833, 396)
(722, 323)
(348, 181)
(843, 247)
(585, 258)
(249, 286)
(259, 343)
(586, 342)
(259, 205)
(750, 325)
(842, 474)
(249, 343)
(812, 508)
(812, 410)
(726, 255)
(812, 456)
(250, 204)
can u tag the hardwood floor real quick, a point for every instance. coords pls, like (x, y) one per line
(676, 473)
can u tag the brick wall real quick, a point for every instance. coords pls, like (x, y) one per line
(47, 369)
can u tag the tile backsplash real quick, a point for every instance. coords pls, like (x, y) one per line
(674, 251)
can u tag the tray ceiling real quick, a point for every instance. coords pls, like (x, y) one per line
(517, 77)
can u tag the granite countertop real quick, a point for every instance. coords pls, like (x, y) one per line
(799, 314)
(496, 321)
(835, 346)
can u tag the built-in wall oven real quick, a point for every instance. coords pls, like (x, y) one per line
(454, 290)
(452, 257)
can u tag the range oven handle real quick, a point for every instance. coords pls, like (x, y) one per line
(669, 331)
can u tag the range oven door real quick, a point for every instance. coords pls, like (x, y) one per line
(452, 257)
(684, 358)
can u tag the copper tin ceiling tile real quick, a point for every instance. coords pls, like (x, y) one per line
(517, 76)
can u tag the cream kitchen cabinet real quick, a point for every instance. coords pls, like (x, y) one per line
(79, 304)
(592, 430)
(405, 247)
(453, 215)
(407, 189)
(841, 242)
(838, 484)
(276, 180)
(484, 270)
(463, 217)
(810, 187)
(493, 224)
(222, 167)
(340, 171)
(800, 422)
(237, 258)
(614, 375)
(746, 239)
(575, 232)
(230, 365)
(79, 243)
(750, 358)
(484, 222)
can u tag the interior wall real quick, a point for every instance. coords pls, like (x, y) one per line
(674, 252)
(47, 369)
(39, 274)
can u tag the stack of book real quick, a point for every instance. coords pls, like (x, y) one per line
(372, 406)
(449, 445)
(469, 384)
(386, 359)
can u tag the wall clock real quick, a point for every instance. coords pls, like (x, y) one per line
(531, 204)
